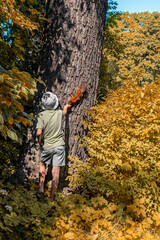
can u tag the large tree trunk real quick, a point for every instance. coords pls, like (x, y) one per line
(72, 45)
(71, 54)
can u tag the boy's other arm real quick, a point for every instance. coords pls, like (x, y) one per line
(39, 135)
(65, 109)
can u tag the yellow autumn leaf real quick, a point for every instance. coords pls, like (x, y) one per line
(158, 223)
(25, 122)
(128, 237)
(69, 235)
(130, 231)
(120, 238)
(112, 207)
(142, 200)
(24, 95)
(156, 216)
(148, 236)
(132, 223)
(10, 120)
(19, 105)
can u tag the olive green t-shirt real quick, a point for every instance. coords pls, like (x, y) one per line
(50, 121)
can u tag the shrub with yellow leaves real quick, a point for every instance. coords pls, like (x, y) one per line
(124, 147)
(16, 87)
(79, 218)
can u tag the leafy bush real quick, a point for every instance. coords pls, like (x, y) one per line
(124, 145)
(22, 216)
(20, 23)
(9, 155)
(97, 218)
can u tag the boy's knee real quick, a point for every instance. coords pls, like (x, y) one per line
(42, 164)
(55, 179)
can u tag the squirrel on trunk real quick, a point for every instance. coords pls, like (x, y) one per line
(79, 94)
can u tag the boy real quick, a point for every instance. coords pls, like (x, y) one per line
(49, 125)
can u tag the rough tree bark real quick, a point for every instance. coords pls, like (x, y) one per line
(71, 54)
(72, 45)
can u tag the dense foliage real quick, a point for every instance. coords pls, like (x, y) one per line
(115, 192)
(123, 143)
(21, 215)
(133, 45)
(117, 188)
(20, 24)
(140, 35)
(9, 155)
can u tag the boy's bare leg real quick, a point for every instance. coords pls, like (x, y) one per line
(42, 173)
(55, 181)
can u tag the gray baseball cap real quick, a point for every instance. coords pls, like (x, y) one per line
(49, 101)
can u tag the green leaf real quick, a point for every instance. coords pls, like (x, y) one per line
(12, 135)
(1, 119)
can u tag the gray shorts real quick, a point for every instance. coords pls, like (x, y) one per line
(54, 156)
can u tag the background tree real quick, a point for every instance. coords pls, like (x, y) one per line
(138, 34)
(112, 50)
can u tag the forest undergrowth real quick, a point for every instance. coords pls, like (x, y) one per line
(115, 191)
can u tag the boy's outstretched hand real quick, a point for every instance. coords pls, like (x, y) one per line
(66, 107)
